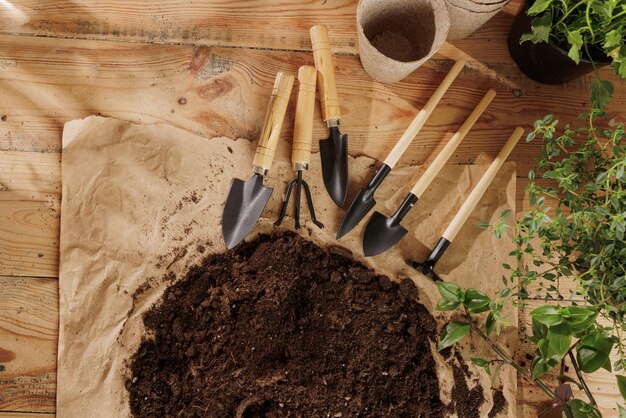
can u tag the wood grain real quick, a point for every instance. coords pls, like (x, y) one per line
(224, 92)
(240, 23)
(30, 192)
(28, 341)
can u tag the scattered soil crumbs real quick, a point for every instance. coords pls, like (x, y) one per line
(281, 327)
(499, 402)
(465, 401)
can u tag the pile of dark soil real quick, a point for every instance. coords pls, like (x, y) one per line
(281, 327)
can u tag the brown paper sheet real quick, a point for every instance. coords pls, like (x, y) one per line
(137, 200)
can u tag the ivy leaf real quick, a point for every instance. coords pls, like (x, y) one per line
(581, 409)
(575, 39)
(453, 333)
(559, 339)
(601, 93)
(538, 7)
(621, 384)
(476, 301)
(612, 39)
(547, 315)
(541, 26)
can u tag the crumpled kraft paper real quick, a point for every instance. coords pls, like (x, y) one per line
(143, 201)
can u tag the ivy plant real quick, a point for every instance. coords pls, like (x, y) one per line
(575, 231)
(590, 29)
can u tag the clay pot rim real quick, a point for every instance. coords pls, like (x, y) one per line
(467, 8)
(477, 12)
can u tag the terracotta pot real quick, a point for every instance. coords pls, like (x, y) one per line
(544, 62)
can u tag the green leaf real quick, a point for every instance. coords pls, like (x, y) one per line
(538, 7)
(559, 339)
(575, 39)
(483, 224)
(541, 26)
(581, 409)
(542, 365)
(593, 351)
(547, 315)
(453, 333)
(540, 330)
(601, 92)
(449, 291)
(447, 305)
(621, 384)
(490, 323)
(476, 301)
(480, 362)
(578, 314)
(612, 39)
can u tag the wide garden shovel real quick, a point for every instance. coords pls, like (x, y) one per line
(427, 267)
(247, 199)
(383, 232)
(364, 201)
(334, 149)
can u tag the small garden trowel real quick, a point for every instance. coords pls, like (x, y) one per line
(334, 149)
(427, 267)
(364, 201)
(383, 232)
(247, 199)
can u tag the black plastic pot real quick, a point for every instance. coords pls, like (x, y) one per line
(544, 62)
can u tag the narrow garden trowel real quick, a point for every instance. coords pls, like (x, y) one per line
(334, 149)
(427, 267)
(247, 199)
(384, 232)
(364, 201)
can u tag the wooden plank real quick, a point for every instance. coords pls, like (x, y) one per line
(239, 23)
(28, 344)
(14, 414)
(30, 193)
(532, 400)
(224, 92)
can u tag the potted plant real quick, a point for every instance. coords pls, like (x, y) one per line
(581, 237)
(555, 41)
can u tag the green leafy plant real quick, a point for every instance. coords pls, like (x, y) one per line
(590, 29)
(579, 237)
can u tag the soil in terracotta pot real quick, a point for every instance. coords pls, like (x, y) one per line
(281, 327)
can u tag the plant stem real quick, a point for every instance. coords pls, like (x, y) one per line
(581, 378)
(506, 358)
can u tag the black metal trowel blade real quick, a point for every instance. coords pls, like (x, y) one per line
(243, 208)
(362, 203)
(334, 156)
(383, 232)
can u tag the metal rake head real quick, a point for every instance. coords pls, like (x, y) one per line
(299, 184)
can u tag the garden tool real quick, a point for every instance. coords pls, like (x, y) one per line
(301, 149)
(334, 149)
(364, 201)
(247, 199)
(384, 232)
(428, 266)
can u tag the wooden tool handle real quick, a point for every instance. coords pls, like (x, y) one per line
(447, 151)
(481, 187)
(303, 124)
(273, 123)
(325, 75)
(420, 119)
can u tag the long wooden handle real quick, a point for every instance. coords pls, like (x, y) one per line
(447, 151)
(325, 75)
(273, 122)
(420, 119)
(303, 124)
(481, 187)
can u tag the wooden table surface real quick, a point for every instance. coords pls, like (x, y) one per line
(207, 66)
